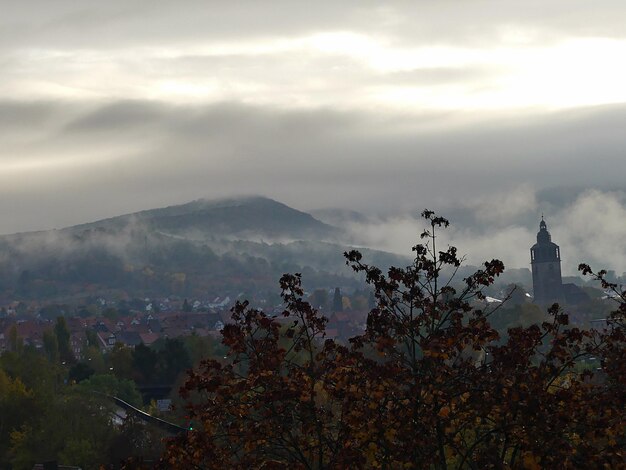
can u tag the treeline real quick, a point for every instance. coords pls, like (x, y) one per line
(146, 264)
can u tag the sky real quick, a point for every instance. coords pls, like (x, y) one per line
(492, 111)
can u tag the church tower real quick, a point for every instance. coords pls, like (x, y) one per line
(545, 258)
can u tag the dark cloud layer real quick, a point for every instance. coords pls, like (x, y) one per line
(132, 155)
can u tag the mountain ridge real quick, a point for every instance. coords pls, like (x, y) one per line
(201, 248)
(238, 216)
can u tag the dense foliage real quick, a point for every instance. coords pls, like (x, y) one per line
(430, 383)
(53, 408)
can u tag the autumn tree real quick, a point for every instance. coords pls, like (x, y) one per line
(16, 405)
(429, 384)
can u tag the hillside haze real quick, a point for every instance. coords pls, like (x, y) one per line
(201, 249)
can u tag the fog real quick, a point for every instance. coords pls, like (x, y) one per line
(589, 228)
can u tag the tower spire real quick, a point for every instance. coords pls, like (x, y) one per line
(545, 259)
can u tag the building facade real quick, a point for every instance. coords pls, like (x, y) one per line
(545, 259)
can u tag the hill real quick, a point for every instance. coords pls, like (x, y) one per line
(201, 249)
(238, 218)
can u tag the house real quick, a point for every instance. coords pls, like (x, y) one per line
(346, 324)
(149, 338)
(78, 344)
(128, 338)
(31, 331)
(107, 340)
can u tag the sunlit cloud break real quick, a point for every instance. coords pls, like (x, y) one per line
(569, 73)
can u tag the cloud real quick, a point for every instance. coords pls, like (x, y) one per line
(346, 55)
(588, 228)
(140, 22)
(511, 244)
(592, 230)
(504, 208)
(87, 161)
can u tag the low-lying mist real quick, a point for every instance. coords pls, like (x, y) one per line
(590, 227)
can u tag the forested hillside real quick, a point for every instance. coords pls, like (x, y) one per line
(200, 249)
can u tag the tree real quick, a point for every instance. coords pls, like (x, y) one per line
(202, 347)
(51, 312)
(428, 385)
(173, 359)
(111, 313)
(34, 370)
(136, 439)
(319, 299)
(73, 427)
(79, 372)
(63, 339)
(92, 338)
(17, 405)
(111, 385)
(337, 301)
(51, 346)
(120, 359)
(144, 363)
(94, 357)
(15, 342)
(359, 302)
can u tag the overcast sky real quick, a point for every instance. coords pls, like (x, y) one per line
(111, 107)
